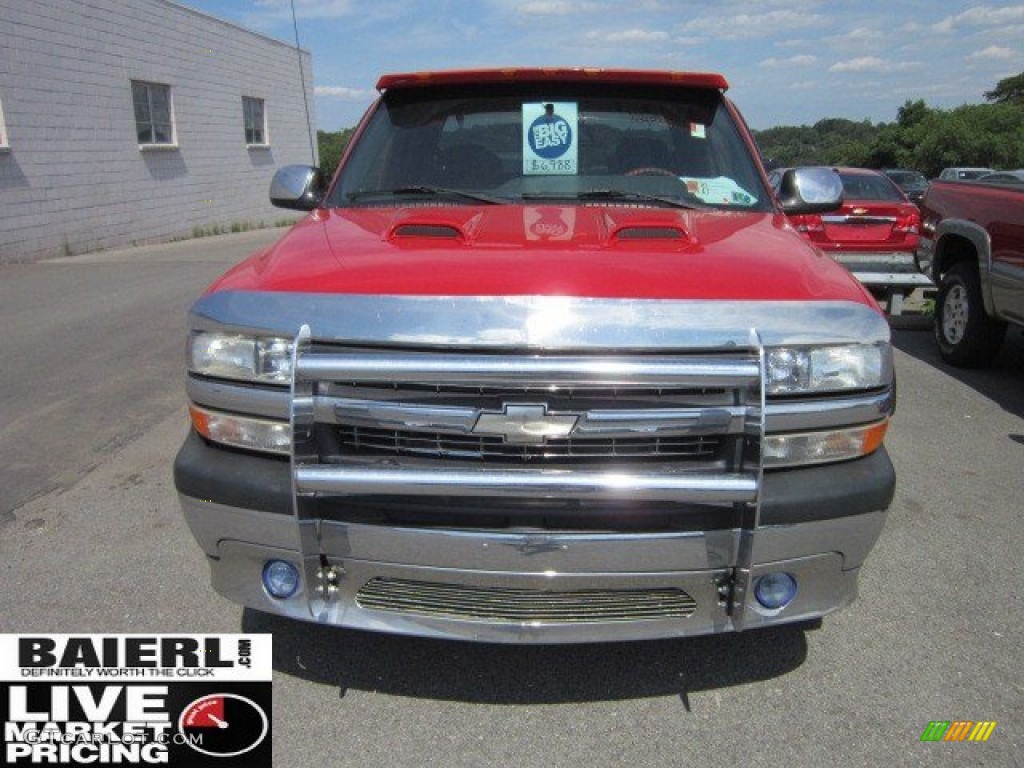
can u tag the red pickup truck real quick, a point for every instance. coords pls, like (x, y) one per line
(546, 362)
(973, 245)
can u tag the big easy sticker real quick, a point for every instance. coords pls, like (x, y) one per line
(550, 138)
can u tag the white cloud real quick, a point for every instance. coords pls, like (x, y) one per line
(278, 13)
(793, 61)
(309, 8)
(803, 85)
(981, 16)
(872, 64)
(631, 36)
(1011, 33)
(548, 8)
(994, 52)
(342, 92)
(863, 64)
(859, 35)
(745, 25)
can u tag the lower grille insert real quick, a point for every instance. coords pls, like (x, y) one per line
(502, 605)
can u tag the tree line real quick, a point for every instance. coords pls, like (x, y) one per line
(923, 138)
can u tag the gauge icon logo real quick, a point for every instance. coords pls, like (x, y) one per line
(223, 724)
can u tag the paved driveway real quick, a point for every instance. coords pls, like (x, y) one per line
(92, 541)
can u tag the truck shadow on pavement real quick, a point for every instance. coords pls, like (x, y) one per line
(535, 674)
(1000, 382)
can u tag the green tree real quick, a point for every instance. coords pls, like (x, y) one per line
(924, 138)
(832, 141)
(331, 146)
(1009, 90)
(975, 134)
(912, 113)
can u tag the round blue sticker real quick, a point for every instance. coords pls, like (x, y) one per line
(550, 136)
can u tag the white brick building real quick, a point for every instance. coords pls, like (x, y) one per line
(126, 121)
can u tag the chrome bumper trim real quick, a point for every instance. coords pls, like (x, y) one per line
(541, 551)
(517, 371)
(893, 278)
(890, 258)
(527, 483)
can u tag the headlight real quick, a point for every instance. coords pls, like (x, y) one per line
(233, 356)
(810, 370)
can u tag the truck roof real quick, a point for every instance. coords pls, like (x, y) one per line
(708, 80)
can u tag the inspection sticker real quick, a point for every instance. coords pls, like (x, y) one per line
(184, 700)
(550, 138)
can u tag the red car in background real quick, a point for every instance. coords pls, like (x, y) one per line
(875, 234)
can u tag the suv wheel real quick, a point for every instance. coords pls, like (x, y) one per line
(967, 337)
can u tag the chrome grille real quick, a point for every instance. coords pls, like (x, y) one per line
(492, 604)
(365, 440)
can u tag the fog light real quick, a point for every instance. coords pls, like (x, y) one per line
(280, 579)
(775, 590)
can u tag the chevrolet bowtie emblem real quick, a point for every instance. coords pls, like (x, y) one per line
(525, 424)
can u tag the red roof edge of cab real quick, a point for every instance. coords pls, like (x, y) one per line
(544, 74)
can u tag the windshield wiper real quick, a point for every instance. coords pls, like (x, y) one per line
(426, 189)
(621, 194)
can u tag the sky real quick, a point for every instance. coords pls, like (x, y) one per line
(788, 62)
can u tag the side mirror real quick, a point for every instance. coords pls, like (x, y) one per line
(810, 190)
(300, 187)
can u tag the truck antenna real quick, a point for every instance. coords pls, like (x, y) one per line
(302, 83)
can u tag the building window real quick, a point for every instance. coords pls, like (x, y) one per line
(153, 118)
(255, 121)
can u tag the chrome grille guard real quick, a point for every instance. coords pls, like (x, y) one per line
(312, 479)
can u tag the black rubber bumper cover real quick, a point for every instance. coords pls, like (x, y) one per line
(233, 478)
(789, 496)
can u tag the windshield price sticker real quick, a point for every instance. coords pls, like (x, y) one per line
(185, 700)
(550, 138)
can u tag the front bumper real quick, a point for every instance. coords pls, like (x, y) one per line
(817, 524)
(403, 510)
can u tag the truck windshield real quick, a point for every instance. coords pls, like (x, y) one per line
(570, 143)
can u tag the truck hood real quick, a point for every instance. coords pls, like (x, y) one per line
(515, 250)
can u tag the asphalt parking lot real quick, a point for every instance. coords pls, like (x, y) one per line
(92, 540)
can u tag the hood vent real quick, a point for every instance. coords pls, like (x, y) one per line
(650, 233)
(437, 231)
